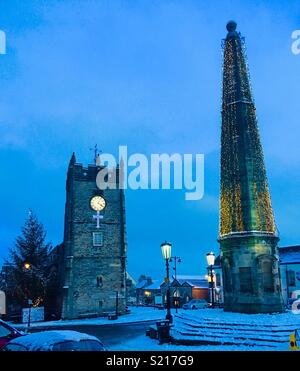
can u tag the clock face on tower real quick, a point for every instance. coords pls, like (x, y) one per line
(98, 203)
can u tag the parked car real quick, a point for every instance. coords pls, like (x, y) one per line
(7, 333)
(55, 341)
(195, 304)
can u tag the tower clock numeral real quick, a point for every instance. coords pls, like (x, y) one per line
(98, 203)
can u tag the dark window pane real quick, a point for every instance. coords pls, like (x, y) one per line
(91, 345)
(246, 280)
(267, 273)
(218, 279)
(291, 278)
(227, 278)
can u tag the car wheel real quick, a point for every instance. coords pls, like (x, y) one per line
(193, 307)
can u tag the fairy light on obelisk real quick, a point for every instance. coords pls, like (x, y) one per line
(248, 236)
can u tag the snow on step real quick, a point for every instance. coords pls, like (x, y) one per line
(218, 327)
(234, 332)
(184, 338)
(235, 336)
(275, 330)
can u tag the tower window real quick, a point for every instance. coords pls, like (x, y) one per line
(97, 239)
(246, 280)
(99, 281)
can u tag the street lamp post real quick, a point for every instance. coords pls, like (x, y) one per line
(29, 314)
(176, 259)
(27, 268)
(210, 257)
(166, 248)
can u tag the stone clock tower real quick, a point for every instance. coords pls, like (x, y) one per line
(94, 269)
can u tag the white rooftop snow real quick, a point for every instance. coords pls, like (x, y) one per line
(154, 286)
(184, 277)
(290, 257)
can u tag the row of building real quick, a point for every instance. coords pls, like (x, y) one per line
(185, 288)
(182, 290)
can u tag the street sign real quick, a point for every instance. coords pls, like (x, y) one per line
(36, 314)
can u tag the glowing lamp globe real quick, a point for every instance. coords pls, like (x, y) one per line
(210, 257)
(27, 266)
(166, 248)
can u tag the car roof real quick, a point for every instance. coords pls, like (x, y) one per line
(46, 339)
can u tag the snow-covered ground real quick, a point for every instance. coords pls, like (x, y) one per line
(195, 330)
(141, 343)
(138, 314)
(214, 329)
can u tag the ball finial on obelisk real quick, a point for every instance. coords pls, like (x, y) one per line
(231, 26)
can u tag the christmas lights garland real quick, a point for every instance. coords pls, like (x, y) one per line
(245, 203)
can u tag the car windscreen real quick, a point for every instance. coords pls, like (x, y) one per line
(78, 346)
(4, 331)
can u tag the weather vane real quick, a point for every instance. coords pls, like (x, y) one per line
(96, 155)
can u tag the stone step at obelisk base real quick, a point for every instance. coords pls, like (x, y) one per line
(216, 327)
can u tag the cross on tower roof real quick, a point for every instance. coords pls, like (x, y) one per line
(96, 154)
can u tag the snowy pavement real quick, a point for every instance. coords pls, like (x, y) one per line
(215, 330)
(138, 314)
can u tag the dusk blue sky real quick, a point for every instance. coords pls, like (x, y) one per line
(146, 74)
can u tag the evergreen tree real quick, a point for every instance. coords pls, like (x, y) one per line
(29, 262)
